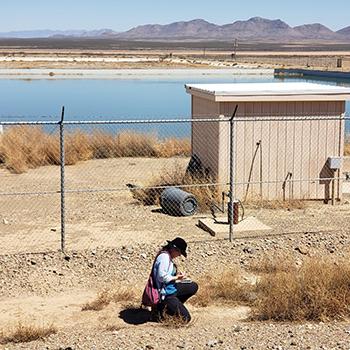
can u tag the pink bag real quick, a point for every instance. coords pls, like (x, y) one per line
(151, 295)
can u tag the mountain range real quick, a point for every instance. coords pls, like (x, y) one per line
(47, 33)
(255, 28)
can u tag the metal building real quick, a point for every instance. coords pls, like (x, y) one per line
(284, 134)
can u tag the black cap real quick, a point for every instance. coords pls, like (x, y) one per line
(180, 244)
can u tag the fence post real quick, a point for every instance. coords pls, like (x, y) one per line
(232, 162)
(62, 191)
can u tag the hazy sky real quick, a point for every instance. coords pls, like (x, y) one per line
(122, 15)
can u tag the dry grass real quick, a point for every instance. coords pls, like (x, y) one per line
(26, 147)
(26, 333)
(175, 147)
(256, 202)
(223, 287)
(102, 300)
(347, 149)
(205, 195)
(272, 264)
(112, 328)
(319, 290)
(174, 322)
(116, 295)
(177, 176)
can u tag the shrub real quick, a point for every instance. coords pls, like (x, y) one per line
(224, 287)
(347, 149)
(176, 176)
(318, 291)
(116, 295)
(26, 333)
(102, 300)
(26, 147)
(256, 202)
(272, 264)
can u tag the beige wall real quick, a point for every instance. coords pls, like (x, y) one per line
(205, 136)
(297, 147)
(346, 63)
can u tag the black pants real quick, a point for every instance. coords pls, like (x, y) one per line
(173, 305)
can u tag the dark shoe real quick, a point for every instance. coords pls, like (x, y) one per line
(155, 314)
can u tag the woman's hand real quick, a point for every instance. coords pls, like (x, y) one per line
(180, 276)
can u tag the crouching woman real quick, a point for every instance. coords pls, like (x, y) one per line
(174, 288)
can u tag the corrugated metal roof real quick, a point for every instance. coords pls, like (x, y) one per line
(279, 91)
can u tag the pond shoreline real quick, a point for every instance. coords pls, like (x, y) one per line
(133, 73)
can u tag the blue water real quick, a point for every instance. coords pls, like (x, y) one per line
(86, 99)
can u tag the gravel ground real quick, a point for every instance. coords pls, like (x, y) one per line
(56, 272)
(240, 336)
(51, 275)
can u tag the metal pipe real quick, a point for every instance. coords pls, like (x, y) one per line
(258, 144)
(333, 192)
(62, 160)
(261, 171)
(235, 212)
(232, 163)
(289, 176)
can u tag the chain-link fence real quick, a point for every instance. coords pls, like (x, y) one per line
(29, 187)
(126, 181)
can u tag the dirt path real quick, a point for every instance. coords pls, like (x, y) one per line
(64, 311)
(219, 327)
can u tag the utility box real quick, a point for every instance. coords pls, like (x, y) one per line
(346, 63)
(334, 163)
(283, 136)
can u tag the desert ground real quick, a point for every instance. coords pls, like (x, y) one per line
(60, 58)
(111, 240)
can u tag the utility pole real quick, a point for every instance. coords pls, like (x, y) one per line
(235, 45)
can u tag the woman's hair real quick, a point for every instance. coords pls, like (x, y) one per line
(167, 247)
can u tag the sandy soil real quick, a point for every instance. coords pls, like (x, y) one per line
(108, 218)
(73, 60)
(64, 310)
(160, 52)
(132, 73)
(126, 59)
(80, 64)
